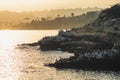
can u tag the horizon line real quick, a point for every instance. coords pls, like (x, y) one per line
(33, 10)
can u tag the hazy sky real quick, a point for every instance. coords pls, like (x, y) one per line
(21, 5)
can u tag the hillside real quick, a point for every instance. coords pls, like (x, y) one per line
(8, 19)
(61, 22)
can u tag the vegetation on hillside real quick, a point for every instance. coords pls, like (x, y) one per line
(8, 19)
(62, 22)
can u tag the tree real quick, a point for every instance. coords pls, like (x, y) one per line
(43, 19)
(58, 15)
(72, 14)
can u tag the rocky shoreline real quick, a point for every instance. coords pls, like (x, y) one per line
(97, 60)
(95, 45)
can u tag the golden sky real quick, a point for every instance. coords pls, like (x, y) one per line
(21, 5)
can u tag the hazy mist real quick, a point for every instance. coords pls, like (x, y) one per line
(22, 5)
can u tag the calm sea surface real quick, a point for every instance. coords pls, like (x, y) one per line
(27, 63)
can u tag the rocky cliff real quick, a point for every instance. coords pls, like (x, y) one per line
(96, 43)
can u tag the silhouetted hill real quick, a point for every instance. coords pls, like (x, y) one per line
(8, 19)
(62, 22)
(109, 18)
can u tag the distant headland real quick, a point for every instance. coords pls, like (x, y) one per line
(47, 19)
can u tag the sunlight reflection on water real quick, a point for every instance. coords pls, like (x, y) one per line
(9, 38)
(10, 60)
(8, 66)
(28, 63)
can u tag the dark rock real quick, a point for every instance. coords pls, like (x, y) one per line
(96, 45)
(117, 45)
(109, 18)
(97, 60)
(31, 44)
(52, 43)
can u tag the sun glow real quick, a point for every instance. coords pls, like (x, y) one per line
(9, 68)
(6, 39)
(9, 39)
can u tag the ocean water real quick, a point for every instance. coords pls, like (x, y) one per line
(27, 63)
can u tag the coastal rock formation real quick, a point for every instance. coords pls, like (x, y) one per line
(52, 43)
(95, 45)
(109, 18)
(117, 45)
(93, 60)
